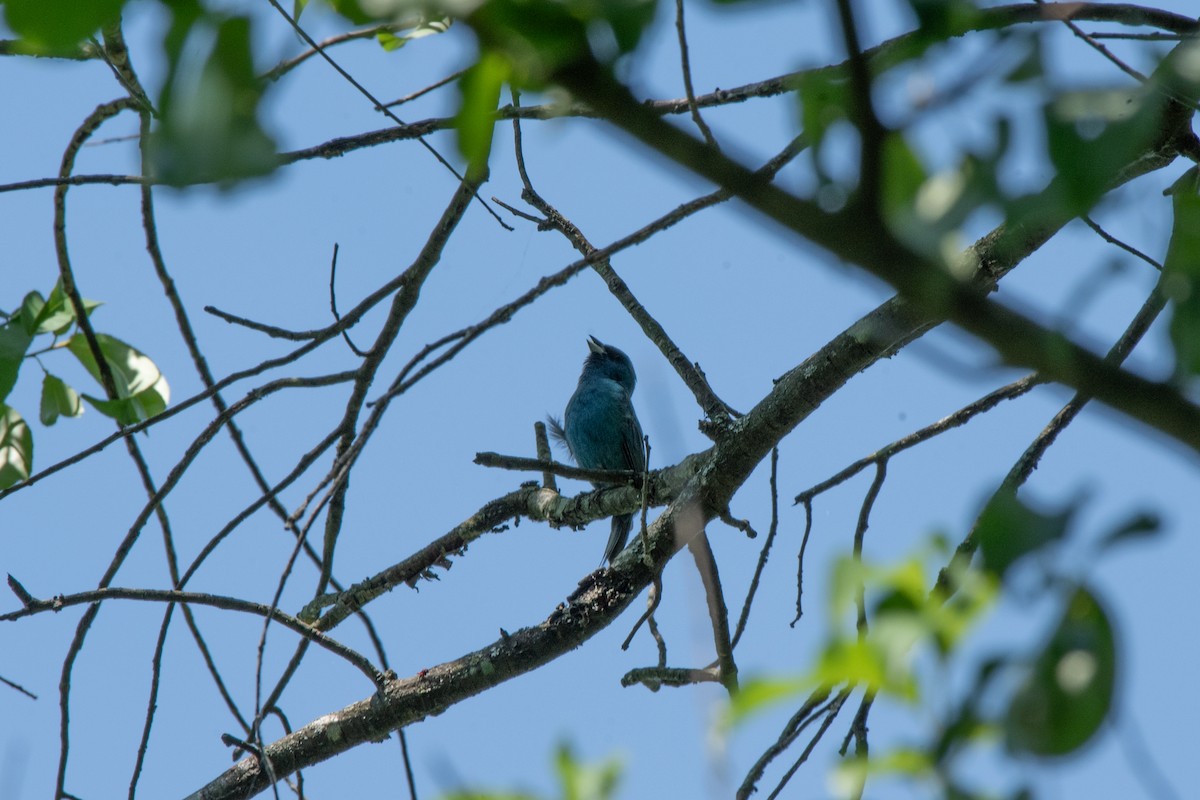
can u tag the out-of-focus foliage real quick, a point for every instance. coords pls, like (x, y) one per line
(576, 781)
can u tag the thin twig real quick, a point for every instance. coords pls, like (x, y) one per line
(547, 467)
(59, 602)
(860, 532)
(654, 678)
(381, 107)
(686, 70)
(1099, 48)
(283, 67)
(1128, 248)
(808, 519)
(653, 598)
(764, 553)
(960, 417)
(18, 687)
(1021, 470)
(829, 714)
(422, 92)
(337, 318)
(809, 710)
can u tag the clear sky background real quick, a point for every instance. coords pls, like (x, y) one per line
(743, 299)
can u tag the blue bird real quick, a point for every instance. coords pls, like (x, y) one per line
(600, 428)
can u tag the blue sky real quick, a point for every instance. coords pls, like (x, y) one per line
(737, 295)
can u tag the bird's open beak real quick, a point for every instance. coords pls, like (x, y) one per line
(595, 345)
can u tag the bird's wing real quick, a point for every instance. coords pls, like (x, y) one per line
(632, 447)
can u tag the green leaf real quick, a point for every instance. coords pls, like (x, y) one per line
(878, 663)
(58, 399)
(903, 175)
(626, 19)
(16, 447)
(1031, 67)
(1181, 279)
(537, 37)
(1089, 134)
(758, 694)
(824, 97)
(476, 117)
(941, 19)
(1009, 530)
(142, 391)
(354, 11)
(209, 129)
(131, 410)
(14, 342)
(31, 309)
(1068, 694)
(50, 26)
(580, 781)
(391, 41)
(57, 314)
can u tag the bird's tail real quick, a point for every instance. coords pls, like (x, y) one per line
(621, 525)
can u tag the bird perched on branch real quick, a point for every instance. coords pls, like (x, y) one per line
(600, 428)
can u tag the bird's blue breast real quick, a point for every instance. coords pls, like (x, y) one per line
(600, 425)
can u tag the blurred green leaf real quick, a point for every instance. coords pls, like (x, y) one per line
(927, 211)
(847, 576)
(1068, 693)
(1141, 525)
(903, 176)
(16, 447)
(48, 26)
(1181, 280)
(142, 391)
(1090, 134)
(1009, 530)
(14, 342)
(626, 19)
(758, 694)
(475, 121)
(877, 663)
(1032, 66)
(577, 781)
(209, 128)
(353, 10)
(58, 399)
(580, 781)
(824, 97)
(537, 36)
(941, 19)
(392, 40)
(849, 775)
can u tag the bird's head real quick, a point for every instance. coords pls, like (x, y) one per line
(609, 362)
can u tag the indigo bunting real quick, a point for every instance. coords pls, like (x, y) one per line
(600, 428)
